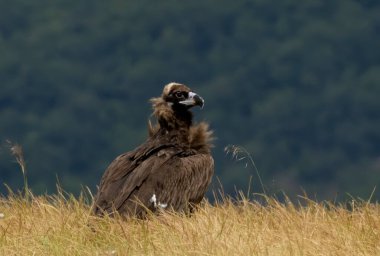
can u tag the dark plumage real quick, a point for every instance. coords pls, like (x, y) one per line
(171, 170)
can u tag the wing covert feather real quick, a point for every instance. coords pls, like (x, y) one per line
(126, 174)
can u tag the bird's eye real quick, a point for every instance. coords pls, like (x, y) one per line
(179, 94)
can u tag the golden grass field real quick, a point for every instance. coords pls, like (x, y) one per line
(58, 225)
(63, 225)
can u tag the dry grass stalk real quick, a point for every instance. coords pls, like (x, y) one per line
(17, 152)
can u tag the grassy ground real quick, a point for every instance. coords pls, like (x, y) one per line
(64, 225)
(54, 225)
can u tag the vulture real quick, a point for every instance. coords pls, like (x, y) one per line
(171, 170)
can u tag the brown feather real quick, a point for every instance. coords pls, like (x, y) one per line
(174, 166)
(201, 138)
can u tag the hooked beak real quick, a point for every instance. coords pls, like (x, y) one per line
(193, 100)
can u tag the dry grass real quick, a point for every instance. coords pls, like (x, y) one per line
(54, 225)
(59, 225)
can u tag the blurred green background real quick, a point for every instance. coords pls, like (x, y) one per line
(296, 83)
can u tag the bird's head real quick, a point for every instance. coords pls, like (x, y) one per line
(179, 95)
(172, 108)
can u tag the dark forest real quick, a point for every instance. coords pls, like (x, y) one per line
(294, 83)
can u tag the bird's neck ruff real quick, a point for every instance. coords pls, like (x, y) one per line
(171, 118)
(178, 122)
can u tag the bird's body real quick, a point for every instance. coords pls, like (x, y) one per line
(171, 170)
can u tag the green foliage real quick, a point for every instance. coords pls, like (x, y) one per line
(295, 83)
